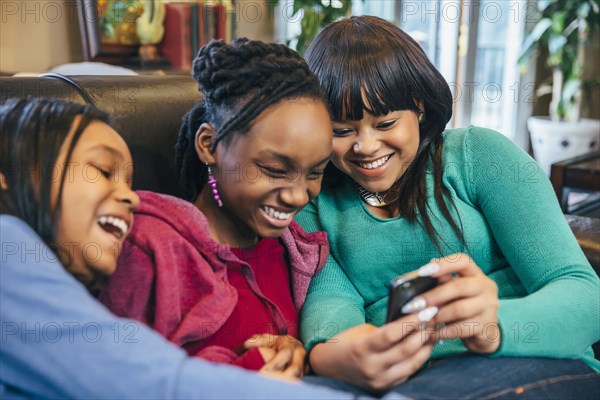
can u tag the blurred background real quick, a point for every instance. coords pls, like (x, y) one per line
(529, 69)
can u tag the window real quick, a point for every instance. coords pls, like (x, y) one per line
(475, 45)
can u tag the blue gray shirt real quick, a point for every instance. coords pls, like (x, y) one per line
(57, 341)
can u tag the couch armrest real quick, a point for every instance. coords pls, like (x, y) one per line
(587, 232)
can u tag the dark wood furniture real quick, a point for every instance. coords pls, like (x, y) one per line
(577, 173)
(587, 232)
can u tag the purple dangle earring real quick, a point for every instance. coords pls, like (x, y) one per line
(212, 181)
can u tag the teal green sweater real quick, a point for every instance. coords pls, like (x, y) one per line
(514, 231)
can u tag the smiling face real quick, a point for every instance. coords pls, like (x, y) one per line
(97, 202)
(376, 151)
(267, 175)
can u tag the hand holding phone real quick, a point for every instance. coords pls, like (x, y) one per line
(403, 289)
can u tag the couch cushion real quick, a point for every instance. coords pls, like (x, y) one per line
(145, 110)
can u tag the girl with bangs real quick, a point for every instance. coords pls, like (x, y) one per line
(515, 311)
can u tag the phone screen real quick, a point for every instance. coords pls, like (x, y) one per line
(403, 289)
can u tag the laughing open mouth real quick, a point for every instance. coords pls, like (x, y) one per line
(116, 226)
(276, 214)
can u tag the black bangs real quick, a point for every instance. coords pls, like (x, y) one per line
(379, 93)
(367, 64)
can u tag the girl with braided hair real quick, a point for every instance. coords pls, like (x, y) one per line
(225, 273)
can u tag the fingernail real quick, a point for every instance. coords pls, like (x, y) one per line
(416, 304)
(429, 269)
(427, 314)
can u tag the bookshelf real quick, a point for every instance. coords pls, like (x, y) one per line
(189, 25)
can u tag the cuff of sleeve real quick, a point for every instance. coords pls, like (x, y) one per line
(251, 360)
(505, 321)
(307, 365)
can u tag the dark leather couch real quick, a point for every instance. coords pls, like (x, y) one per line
(147, 111)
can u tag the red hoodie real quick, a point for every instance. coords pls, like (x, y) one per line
(172, 275)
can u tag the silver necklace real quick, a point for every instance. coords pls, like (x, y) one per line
(378, 199)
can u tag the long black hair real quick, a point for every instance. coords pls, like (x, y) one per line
(33, 131)
(238, 82)
(369, 55)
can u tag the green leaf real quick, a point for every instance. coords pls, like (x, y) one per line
(109, 30)
(558, 21)
(573, 26)
(543, 4)
(530, 43)
(539, 29)
(556, 43)
(584, 10)
(311, 22)
(316, 15)
(570, 89)
(297, 7)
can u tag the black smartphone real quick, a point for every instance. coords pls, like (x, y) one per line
(403, 289)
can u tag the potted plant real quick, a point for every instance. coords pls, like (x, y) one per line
(316, 14)
(563, 31)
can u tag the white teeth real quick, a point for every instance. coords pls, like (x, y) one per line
(276, 214)
(114, 221)
(376, 163)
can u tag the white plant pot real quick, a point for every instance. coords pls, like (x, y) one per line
(554, 141)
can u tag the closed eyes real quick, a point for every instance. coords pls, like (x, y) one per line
(107, 173)
(342, 132)
(386, 124)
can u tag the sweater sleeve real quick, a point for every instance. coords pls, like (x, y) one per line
(167, 283)
(129, 291)
(559, 315)
(332, 303)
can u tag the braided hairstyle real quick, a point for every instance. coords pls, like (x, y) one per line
(238, 82)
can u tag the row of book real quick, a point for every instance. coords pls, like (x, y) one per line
(190, 25)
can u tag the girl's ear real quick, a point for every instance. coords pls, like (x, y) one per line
(420, 105)
(203, 142)
(3, 184)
